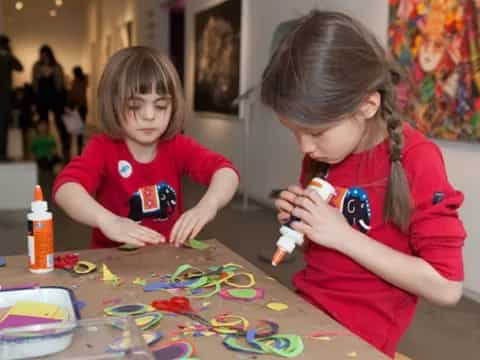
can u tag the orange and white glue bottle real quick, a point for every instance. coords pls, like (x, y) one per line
(40, 235)
(290, 237)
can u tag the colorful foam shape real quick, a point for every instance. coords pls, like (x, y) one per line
(126, 310)
(18, 320)
(276, 306)
(181, 349)
(248, 294)
(197, 244)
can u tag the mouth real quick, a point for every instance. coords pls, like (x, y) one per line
(147, 131)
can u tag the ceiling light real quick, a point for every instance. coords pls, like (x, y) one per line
(59, 2)
(53, 13)
(19, 5)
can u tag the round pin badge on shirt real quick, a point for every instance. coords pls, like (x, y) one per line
(124, 168)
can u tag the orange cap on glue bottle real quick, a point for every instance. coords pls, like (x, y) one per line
(290, 237)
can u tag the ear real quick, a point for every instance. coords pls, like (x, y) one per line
(370, 105)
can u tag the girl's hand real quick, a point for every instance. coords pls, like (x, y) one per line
(320, 222)
(125, 230)
(286, 202)
(191, 222)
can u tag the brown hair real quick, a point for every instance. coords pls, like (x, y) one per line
(323, 70)
(135, 70)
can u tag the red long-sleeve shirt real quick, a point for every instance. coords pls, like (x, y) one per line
(369, 306)
(146, 192)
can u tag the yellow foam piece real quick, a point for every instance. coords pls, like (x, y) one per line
(277, 306)
(108, 275)
(38, 309)
(352, 354)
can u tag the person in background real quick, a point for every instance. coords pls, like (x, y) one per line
(77, 99)
(44, 147)
(8, 64)
(49, 87)
(24, 104)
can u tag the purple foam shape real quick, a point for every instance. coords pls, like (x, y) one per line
(20, 320)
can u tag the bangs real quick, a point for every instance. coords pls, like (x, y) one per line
(145, 75)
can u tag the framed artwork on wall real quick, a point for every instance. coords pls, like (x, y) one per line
(436, 44)
(217, 58)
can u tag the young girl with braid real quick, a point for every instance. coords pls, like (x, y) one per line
(397, 236)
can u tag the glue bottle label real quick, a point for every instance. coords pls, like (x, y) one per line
(31, 243)
(40, 245)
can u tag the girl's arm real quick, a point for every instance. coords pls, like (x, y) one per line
(82, 207)
(326, 226)
(407, 272)
(222, 187)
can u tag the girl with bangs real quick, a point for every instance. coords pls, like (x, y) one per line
(127, 182)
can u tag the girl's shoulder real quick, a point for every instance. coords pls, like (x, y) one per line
(102, 140)
(417, 148)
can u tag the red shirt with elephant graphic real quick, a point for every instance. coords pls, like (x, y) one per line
(370, 307)
(146, 192)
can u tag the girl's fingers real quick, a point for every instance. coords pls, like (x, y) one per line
(296, 190)
(305, 203)
(174, 232)
(197, 228)
(315, 198)
(283, 217)
(184, 233)
(134, 240)
(303, 215)
(151, 236)
(182, 225)
(287, 196)
(284, 205)
(302, 227)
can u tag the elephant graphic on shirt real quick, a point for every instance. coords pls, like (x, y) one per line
(354, 205)
(154, 201)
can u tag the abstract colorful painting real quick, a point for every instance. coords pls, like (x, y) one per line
(436, 44)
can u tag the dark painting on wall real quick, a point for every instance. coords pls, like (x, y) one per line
(436, 44)
(217, 58)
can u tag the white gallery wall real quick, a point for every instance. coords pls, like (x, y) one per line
(274, 159)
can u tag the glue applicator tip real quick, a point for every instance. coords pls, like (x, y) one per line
(38, 194)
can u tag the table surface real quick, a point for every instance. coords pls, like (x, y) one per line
(300, 318)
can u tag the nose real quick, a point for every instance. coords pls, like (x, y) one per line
(306, 143)
(148, 112)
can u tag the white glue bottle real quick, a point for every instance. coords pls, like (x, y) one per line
(40, 235)
(290, 237)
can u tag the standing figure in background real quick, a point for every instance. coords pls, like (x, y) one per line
(77, 99)
(49, 86)
(44, 147)
(24, 104)
(8, 64)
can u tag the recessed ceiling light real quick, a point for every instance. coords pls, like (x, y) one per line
(19, 5)
(53, 13)
(59, 2)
